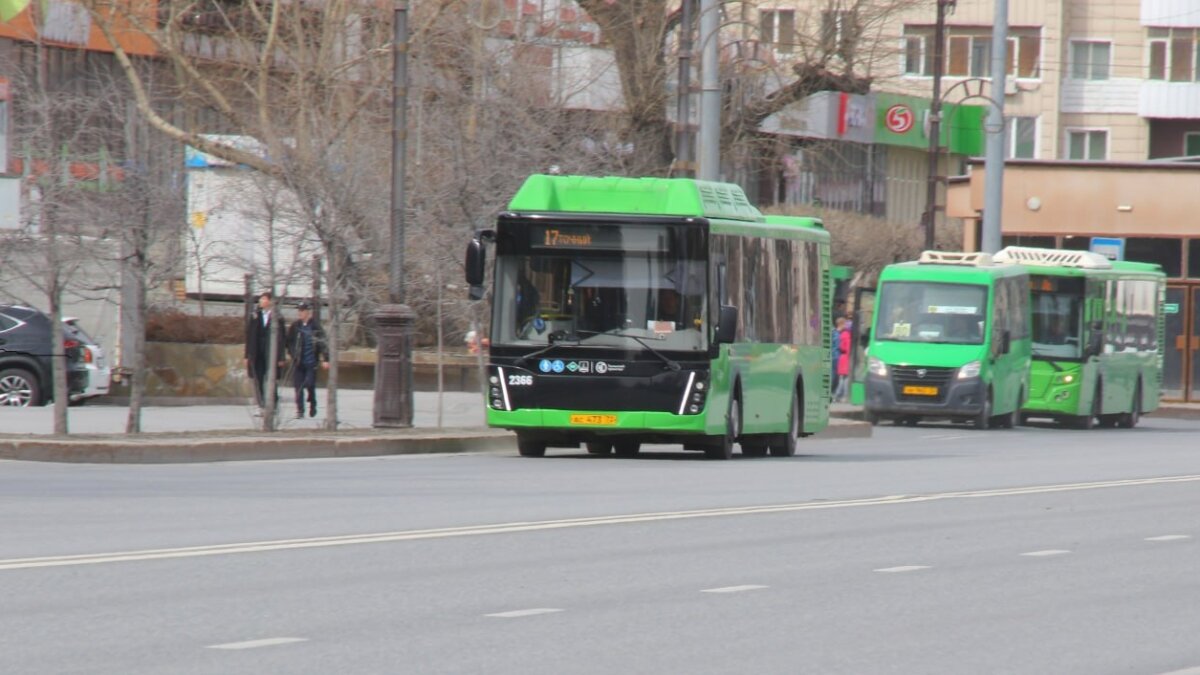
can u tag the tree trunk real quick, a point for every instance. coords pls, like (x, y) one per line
(332, 338)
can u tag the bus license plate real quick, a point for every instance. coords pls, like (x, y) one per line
(595, 420)
(920, 391)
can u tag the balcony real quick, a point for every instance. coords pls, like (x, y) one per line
(1169, 100)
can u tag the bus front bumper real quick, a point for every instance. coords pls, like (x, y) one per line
(960, 398)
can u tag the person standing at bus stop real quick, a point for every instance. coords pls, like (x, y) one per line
(306, 345)
(843, 364)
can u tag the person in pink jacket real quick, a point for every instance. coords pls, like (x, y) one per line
(843, 365)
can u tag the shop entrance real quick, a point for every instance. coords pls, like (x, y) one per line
(1181, 357)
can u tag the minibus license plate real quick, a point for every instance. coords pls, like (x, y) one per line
(595, 420)
(920, 391)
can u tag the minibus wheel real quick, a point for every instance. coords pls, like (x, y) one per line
(984, 418)
(627, 448)
(531, 448)
(599, 447)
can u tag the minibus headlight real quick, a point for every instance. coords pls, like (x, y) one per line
(876, 367)
(970, 370)
(1065, 378)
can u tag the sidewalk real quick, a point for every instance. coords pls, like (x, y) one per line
(204, 433)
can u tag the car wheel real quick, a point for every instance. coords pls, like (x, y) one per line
(19, 388)
(984, 418)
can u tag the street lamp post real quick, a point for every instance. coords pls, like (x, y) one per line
(935, 123)
(394, 321)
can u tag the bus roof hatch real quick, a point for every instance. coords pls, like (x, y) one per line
(1049, 257)
(975, 259)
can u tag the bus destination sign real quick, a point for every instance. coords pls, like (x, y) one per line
(598, 238)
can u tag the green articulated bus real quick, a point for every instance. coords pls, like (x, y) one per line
(950, 340)
(647, 310)
(1097, 336)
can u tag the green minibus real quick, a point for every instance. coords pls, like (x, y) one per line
(950, 340)
(1097, 336)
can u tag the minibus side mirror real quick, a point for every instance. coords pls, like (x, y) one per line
(726, 325)
(865, 338)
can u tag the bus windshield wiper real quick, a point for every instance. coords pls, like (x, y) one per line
(557, 339)
(671, 365)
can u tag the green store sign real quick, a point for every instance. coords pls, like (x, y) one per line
(901, 120)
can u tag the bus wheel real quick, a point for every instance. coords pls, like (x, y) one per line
(1130, 419)
(723, 449)
(599, 447)
(984, 418)
(754, 447)
(870, 418)
(531, 448)
(785, 445)
(910, 421)
(1090, 421)
(627, 448)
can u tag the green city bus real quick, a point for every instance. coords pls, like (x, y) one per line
(950, 340)
(648, 310)
(1097, 336)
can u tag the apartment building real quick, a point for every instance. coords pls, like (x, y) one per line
(1088, 79)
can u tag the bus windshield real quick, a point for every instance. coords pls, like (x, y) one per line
(941, 313)
(601, 287)
(1056, 319)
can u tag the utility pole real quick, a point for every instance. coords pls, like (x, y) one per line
(394, 321)
(993, 180)
(684, 165)
(929, 219)
(710, 91)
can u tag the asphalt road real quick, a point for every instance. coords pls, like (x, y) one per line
(926, 550)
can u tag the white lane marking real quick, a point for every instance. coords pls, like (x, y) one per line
(517, 613)
(1186, 671)
(253, 644)
(1046, 553)
(535, 526)
(944, 437)
(903, 568)
(1170, 537)
(733, 589)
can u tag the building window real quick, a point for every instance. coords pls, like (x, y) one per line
(1194, 258)
(1191, 144)
(969, 52)
(839, 32)
(778, 27)
(1090, 144)
(1164, 251)
(1174, 54)
(1021, 142)
(1090, 60)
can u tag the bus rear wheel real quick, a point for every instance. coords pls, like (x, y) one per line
(531, 448)
(598, 447)
(627, 448)
(785, 445)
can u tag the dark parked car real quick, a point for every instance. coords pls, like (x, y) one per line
(25, 366)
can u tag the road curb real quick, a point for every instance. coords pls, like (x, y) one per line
(174, 449)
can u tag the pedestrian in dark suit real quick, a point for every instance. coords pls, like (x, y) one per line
(258, 345)
(306, 345)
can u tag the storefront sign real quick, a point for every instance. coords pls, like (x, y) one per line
(904, 121)
(827, 115)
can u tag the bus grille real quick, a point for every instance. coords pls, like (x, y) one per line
(921, 376)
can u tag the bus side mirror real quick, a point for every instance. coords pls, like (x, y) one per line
(726, 325)
(1005, 342)
(865, 339)
(475, 263)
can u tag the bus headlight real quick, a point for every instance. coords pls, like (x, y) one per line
(1065, 378)
(970, 370)
(876, 367)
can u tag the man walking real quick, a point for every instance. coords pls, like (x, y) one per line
(258, 346)
(306, 346)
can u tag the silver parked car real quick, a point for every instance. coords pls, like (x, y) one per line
(95, 362)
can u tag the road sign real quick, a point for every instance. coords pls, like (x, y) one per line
(1112, 248)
